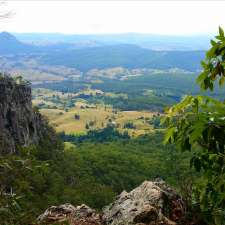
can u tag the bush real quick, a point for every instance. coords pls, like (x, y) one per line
(129, 125)
(76, 116)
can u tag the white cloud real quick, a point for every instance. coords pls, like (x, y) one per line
(161, 17)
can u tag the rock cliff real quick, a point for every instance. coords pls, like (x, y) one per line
(152, 203)
(20, 125)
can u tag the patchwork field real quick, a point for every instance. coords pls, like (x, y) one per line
(79, 120)
(72, 114)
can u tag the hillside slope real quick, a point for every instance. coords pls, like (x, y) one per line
(92, 56)
(124, 55)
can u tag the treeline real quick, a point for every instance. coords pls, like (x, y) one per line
(134, 102)
(106, 134)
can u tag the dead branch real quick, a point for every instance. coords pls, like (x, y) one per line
(4, 13)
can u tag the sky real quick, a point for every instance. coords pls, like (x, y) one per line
(155, 17)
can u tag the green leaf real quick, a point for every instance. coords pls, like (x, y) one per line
(221, 81)
(211, 51)
(201, 77)
(220, 38)
(169, 135)
(197, 132)
(212, 42)
(221, 32)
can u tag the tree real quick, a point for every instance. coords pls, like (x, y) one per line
(197, 124)
(129, 125)
(76, 116)
(214, 64)
(87, 126)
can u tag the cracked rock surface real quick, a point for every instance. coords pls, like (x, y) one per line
(152, 203)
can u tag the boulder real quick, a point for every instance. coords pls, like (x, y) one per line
(150, 203)
(80, 215)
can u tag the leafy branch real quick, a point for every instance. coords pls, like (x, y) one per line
(197, 124)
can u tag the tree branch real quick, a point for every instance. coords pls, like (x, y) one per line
(4, 13)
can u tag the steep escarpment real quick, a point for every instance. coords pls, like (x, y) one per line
(20, 125)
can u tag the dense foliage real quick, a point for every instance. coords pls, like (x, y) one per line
(198, 124)
(80, 174)
(24, 180)
(16, 175)
(129, 162)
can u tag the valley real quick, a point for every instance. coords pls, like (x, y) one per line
(77, 106)
(101, 106)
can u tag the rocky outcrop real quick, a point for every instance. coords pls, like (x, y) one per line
(152, 203)
(80, 215)
(20, 125)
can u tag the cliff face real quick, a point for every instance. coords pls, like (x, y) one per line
(19, 124)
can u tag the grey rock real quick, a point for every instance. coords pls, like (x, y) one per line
(19, 123)
(56, 213)
(80, 215)
(150, 203)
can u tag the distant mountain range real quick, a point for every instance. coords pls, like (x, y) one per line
(150, 41)
(10, 45)
(124, 55)
(95, 55)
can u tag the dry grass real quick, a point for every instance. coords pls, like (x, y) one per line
(65, 121)
(100, 115)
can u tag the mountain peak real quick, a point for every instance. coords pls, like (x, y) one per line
(10, 45)
(6, 36)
